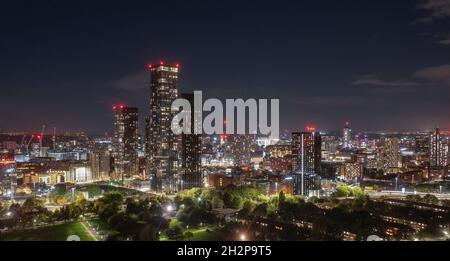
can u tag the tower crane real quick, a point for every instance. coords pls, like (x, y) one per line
(41, 152)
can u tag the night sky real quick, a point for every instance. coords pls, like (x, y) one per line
(380, 64)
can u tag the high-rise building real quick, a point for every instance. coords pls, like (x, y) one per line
(100, 158)
(307, 185)
(438, 149)
(306, 156)
(125, 142)
(350, 171)
(240, 148)
(162, 144)
(388, 156)
(191, 151)
(347, 136)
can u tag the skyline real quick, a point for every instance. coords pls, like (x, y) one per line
(78, 60)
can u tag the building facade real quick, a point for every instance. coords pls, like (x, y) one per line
(306, 157)
(162, 149)
(438, 149)
(191, 150)
(125, 142)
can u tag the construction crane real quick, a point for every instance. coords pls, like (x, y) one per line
(22, 143)
(41, 152)
(29, 142)
(54, 138)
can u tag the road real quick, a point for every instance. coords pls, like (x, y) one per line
(399, 194)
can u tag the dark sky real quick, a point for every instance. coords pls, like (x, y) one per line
(381, 64)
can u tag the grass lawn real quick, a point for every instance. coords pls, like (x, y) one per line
(100, 225)
(51, 233)
(200, 234)
(203, 235)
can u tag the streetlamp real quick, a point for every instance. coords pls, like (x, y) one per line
(243, 237)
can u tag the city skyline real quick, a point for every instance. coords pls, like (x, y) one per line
(380, 74)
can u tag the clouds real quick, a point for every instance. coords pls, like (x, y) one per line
(378, 83)
(437, 9)
(437, 75)
(442, 38)
(133, 82)
(377, 80)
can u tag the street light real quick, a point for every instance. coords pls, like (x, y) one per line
(169, 208)
(243, 237)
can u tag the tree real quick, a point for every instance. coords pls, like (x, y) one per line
(217, 203)
(94, 191)
(247, 209)
(175, 232)
(342, 191)
(32, 204)
(313, 200)
(357, 192)
(430, 199)
(414, 198)
(260, 210)
(281, 198)
(148, 233)
(188, 235)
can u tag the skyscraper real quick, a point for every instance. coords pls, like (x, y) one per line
(100, 158)
(125, 142)
(306, 155)
(388, 156)
(438, 149)
(191, 150)
(347, 135)
(162, 144)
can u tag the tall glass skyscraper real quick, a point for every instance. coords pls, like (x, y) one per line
(125, 143)
(191, 150)
(306, 156)
(162, 144)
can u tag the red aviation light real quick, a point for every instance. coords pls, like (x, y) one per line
(114, 107)
(122, 107)
(310, 128)
(149, 66)
(177, 65)
(161, 62)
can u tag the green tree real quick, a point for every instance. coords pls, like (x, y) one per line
(188, 235)
(430, 199)
(217, 203)
(175, 232)
(33, 204)
(342, 191)
(281, 198)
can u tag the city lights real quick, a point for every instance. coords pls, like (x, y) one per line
(213, 122)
